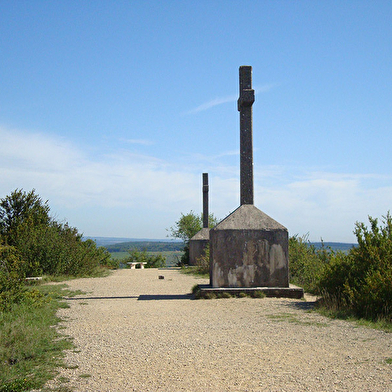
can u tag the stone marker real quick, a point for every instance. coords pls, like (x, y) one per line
(249, 249)
(201, 239)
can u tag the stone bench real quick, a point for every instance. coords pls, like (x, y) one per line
(133, 264)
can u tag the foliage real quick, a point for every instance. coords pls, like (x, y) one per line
(186, 227)
(30, 348)
(189, 224)
(111, 263)
(45, 245)
(307, 262)
(203, 262)
(361, 281)
(58, 249)
(21, 208)
(12, 274)
(152, 261)
(193, 270)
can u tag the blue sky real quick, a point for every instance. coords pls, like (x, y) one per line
(112, 110)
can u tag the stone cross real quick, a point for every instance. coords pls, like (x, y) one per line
(245, 102)
(205, 200)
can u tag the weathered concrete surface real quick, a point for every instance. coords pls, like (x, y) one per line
(197, 245)
(205, 200)
(245, 102)
(249, 249)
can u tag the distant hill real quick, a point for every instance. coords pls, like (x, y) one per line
(149, 246)
(335, 246)
(106, 241)
(120, 244)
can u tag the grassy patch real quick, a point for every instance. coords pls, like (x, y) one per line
(348, 315)
(85, 375)
(193, 270)
(30, 348)
(257, 294)
(291, 318)
(389, 361)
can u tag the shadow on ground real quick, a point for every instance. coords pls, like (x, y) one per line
(301, 305)
(157, 297)
(86, 298)
(143, 297)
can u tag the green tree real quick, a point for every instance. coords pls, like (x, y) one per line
(186, 227)
(20, 208)
(189, 224)
(307, 263)
(45, 245)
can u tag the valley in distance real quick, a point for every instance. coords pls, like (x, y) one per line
(119, 248)
(172, 249)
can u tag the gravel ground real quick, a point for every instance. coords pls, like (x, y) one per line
(136, 332)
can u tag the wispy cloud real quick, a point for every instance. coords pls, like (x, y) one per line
(324, 204)
(230, 98)
(75, 179)
(213, 103)
(127, 194)
(144, 142)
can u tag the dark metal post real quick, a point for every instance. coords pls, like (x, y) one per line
(205, 200)
(245, 102)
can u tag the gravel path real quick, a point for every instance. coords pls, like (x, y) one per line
(136, 332)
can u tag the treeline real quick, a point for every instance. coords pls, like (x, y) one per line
(149, 246)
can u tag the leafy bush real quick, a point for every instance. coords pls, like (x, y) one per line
(152, 261)
(58, 249)
(307, 263)
(362, 280)
(203, 262)
(12, 276)
(45, 245)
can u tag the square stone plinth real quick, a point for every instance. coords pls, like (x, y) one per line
(249, 249)
(198, 244)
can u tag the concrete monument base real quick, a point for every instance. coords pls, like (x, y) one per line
(249, 249)
(277, 292)
(197, 245)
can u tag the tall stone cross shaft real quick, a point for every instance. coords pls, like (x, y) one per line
(205, 200)
(245, 102)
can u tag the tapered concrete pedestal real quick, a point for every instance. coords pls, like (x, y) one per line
(197, 245)
(249, 249)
